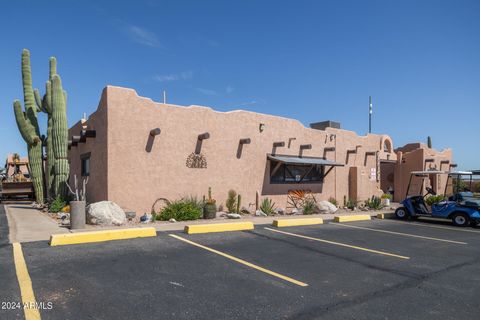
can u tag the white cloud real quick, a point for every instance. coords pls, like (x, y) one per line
(207, 92)
(186, 75)
(143, 36)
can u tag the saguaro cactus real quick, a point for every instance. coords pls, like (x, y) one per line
(429, 142)
(60, 137)
(28, 126)
(46, 106)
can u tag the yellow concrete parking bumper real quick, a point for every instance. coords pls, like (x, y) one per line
(218, 227)
(390, 215)
(296, 222)
(101, 236)
(357, 217)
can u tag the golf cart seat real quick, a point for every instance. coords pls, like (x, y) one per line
(419, 205)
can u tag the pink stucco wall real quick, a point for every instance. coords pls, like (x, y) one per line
(418, 157)
(123, 171)
(97, 187)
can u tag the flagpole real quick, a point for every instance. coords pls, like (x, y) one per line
(370, 111)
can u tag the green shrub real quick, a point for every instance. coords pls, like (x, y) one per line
(387, 196)
(374, 203)
(231, 202)
(267, 206)
(180, 210)
(57, 205)
(194, 201)
(434, 199)
(333, 201)
(309, 207)
(351, 204)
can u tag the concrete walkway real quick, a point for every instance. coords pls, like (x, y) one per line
(28, 224)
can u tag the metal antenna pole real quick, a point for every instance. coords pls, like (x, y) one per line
(164, 97)
(370, 111)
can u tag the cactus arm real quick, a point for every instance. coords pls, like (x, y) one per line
(27, 82)
(29, 98)
(24, 126)
(53, 67)
(38, 100)
(48, 97)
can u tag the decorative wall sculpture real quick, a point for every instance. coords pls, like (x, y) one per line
(196, 161)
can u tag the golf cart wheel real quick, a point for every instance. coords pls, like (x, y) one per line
(460, 220)
(401, 213)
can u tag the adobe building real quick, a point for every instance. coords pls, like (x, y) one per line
(16, 165)
(135, 150)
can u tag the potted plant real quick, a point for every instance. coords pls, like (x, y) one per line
(77, 206)
(210, 208)
(386, 198)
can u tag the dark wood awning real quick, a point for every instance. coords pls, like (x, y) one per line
(303, 160)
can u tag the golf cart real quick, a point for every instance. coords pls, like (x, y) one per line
(462, 207)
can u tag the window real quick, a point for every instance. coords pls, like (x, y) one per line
(288, 173)
(85, 159)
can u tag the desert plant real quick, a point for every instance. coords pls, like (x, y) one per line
(80, 194)
(194, 201)
(351, 204)
(309, 207)
(180, 210)
(387, 196)
(57, 205)
(345, 201)
(27, 123)
(210, 207)
(434, 199)
(333, 201)
(267, 206)
(374, 203)
(231, 202)
(429, 142)
(239, 202)
(210, 200)
(54, 104)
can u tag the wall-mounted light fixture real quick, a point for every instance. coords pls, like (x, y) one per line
(261, 127)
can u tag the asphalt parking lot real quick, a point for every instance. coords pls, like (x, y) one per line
(379, 269)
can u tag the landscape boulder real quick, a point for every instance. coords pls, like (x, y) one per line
(105, 213)
(260, 213)
(233, 216)
(326, 207)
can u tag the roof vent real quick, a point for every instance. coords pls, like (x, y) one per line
(325, 124)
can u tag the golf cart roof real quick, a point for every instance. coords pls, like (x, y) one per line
(420, 173)
(461, 173)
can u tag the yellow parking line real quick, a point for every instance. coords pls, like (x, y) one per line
(251, 265)
(340, 244)
(399, 233)
(25, 283)
(433, 226)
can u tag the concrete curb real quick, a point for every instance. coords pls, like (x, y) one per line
(218, 227)
(358, 217)
(101, 236)
(386, 215)
(296, 222)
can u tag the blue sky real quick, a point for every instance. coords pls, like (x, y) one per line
(309, 60)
